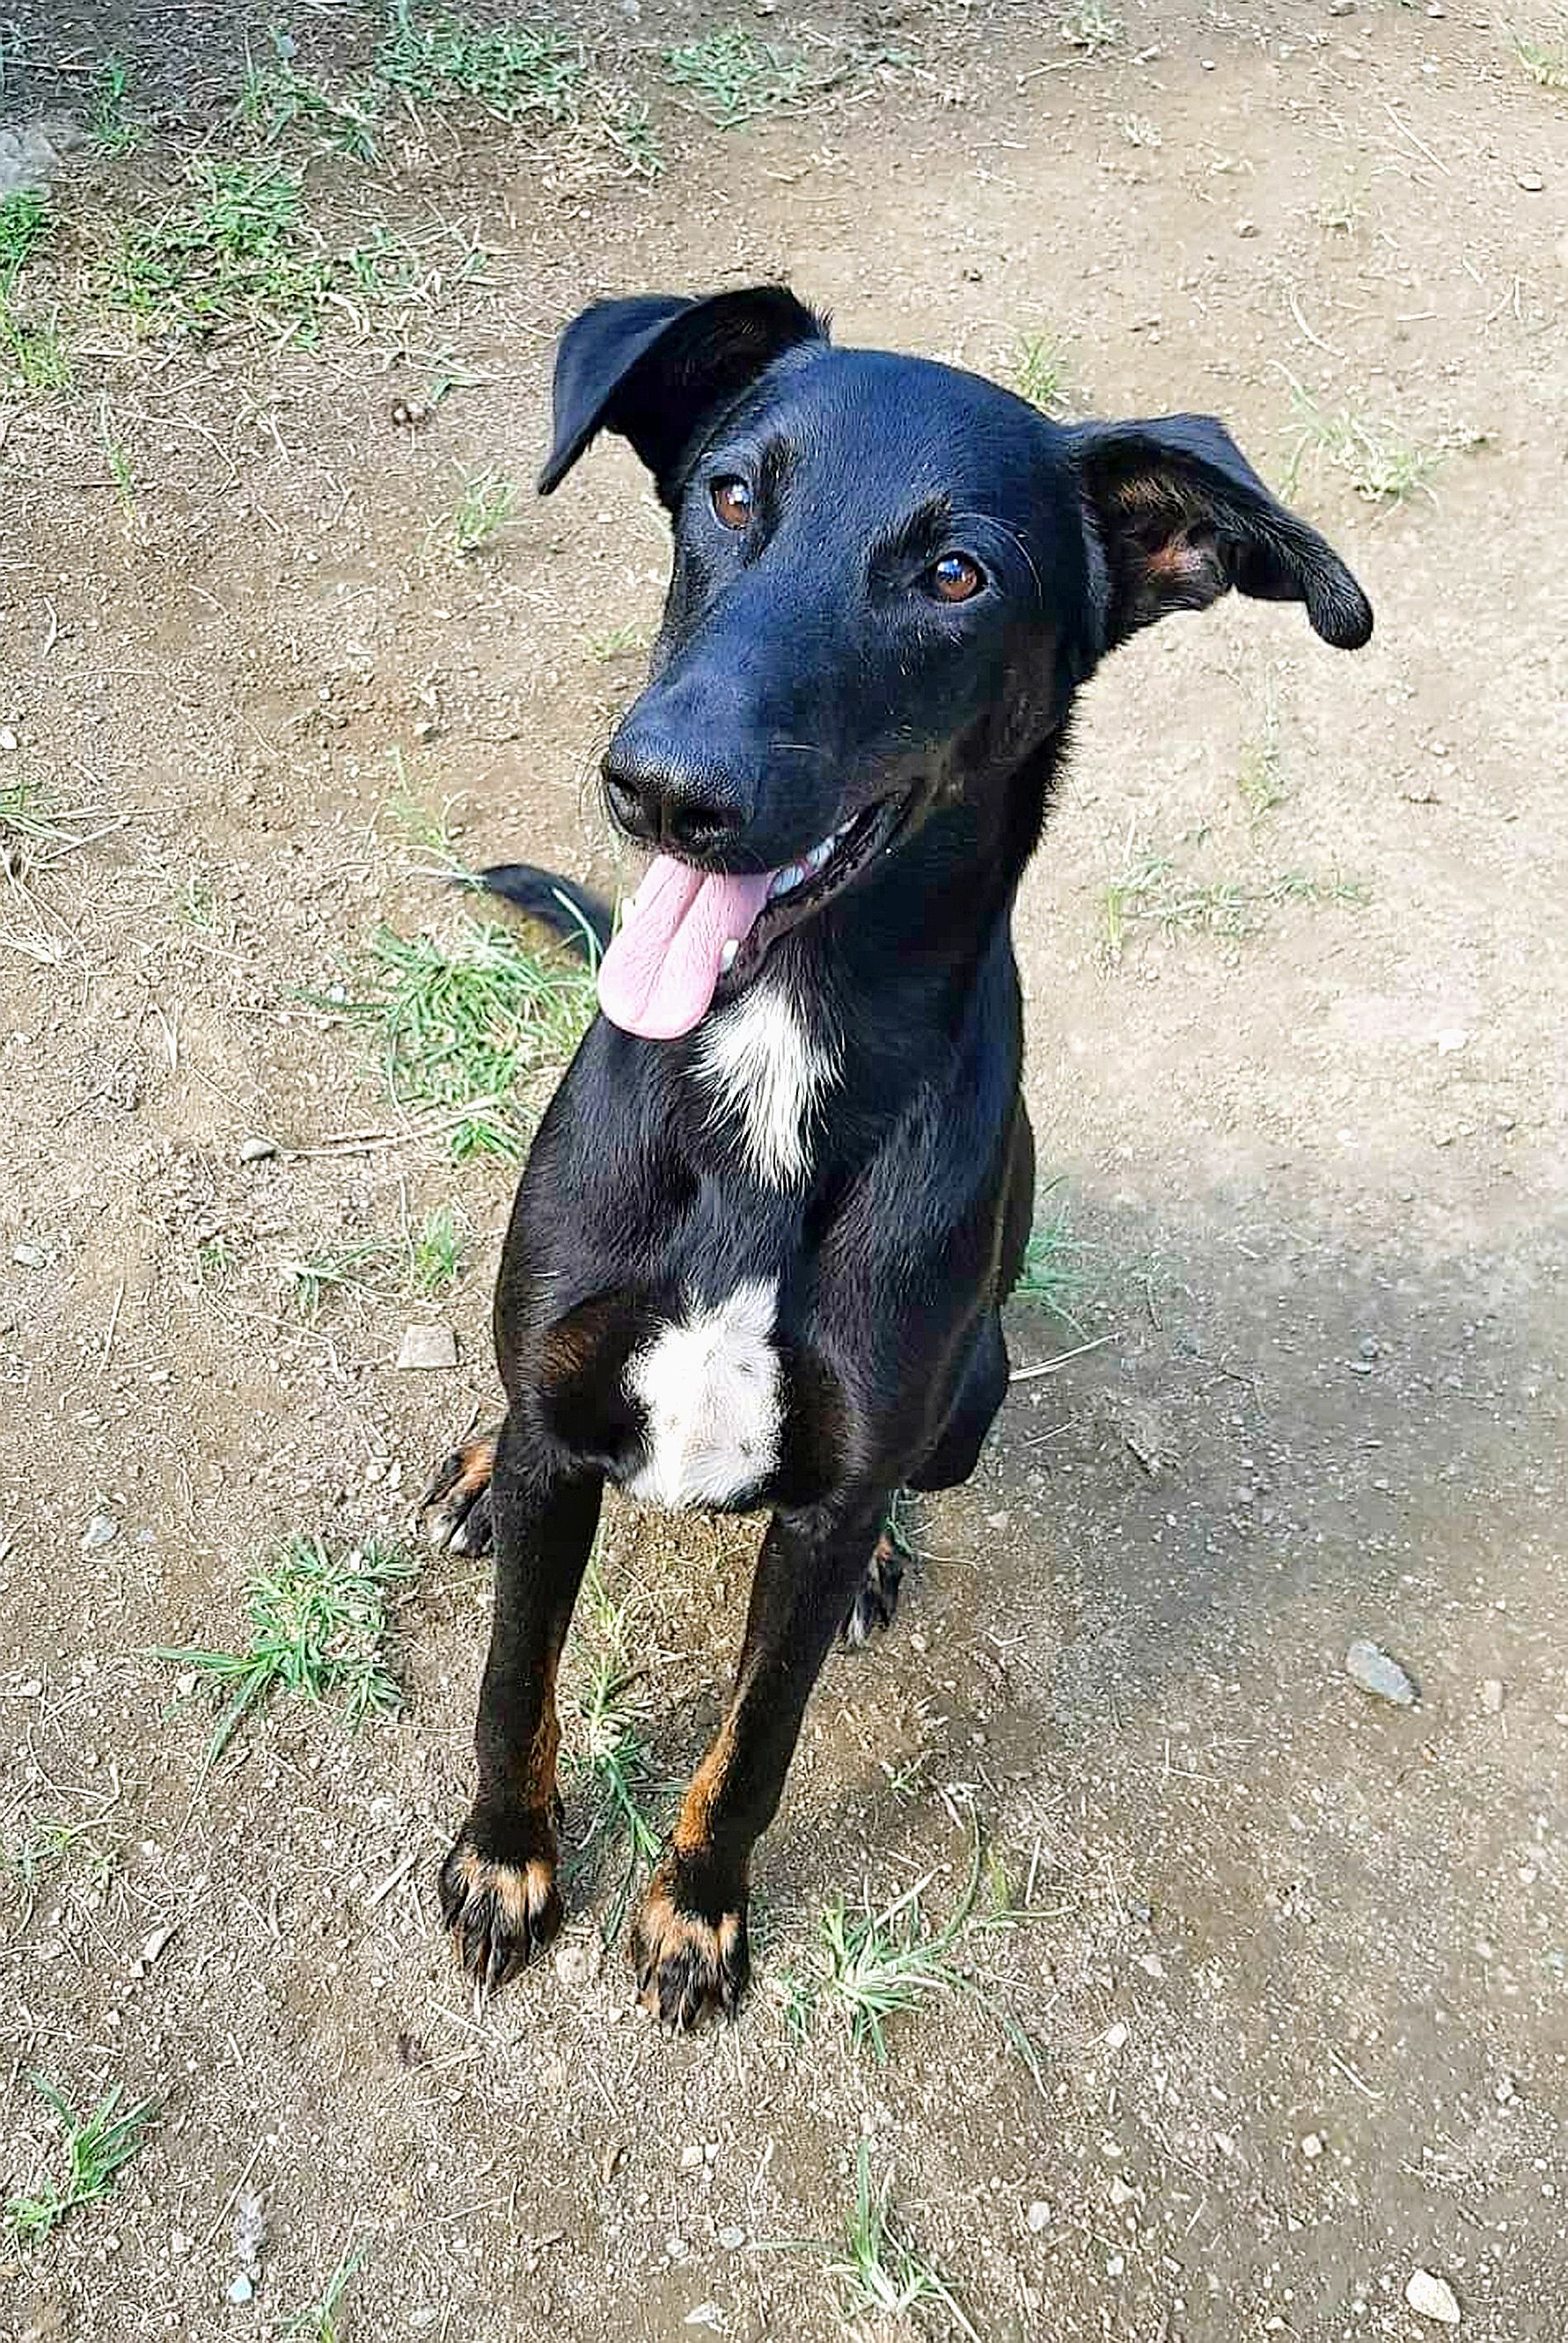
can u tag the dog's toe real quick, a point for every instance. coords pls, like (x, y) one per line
(877, 1596)
(498, 1915)
(455, 1510)
(686, 1964)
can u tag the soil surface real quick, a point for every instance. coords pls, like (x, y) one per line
(1294, 1960)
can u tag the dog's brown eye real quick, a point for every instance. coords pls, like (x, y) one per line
(955, 578)
(731, 501)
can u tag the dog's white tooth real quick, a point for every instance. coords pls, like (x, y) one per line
(727, 957)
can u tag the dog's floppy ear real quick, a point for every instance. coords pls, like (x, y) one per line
(1182, 517)
(654, 368)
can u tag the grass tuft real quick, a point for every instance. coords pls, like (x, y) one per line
(110, 128)
(320, 2323)
(236, 250)
(515, 71)
(318, 1623)
(1259, 774)
(275, 99)
(335, 1269)
(1055, 1275)
(1381, 462)
(733, 78)
(1547, 68)
(1040, 371)
(875, 1964)
(1091, 26)
(877, 2270)
(459, 1027)
(486, 506)
(436, 1251)
(23, 224)
(1151, 893)
(98, 2145)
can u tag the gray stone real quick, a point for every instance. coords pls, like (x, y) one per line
(424, 1350)
(1369, 1665)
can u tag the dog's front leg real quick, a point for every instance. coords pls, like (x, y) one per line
(499, 1890)
(691, 1944)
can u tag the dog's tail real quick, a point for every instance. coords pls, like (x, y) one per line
(579, 917)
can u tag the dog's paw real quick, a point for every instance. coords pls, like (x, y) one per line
(500, 1912)
(877, 1596)
(688, 1961)
(455, 1510)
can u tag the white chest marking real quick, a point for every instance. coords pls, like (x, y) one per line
(767, 1069)
(710, 1388)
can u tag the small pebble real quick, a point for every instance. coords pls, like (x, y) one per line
(1115, 2037)
(692, 2159)
(1039, 2215)
(731, 2239)
(1246, 228)
(102, 1530)
(8, 741)
(241, 2287)
(1530, 181)
(30, 1256)
(1493, 1695)
(1312, 2146)
(1367, 1665)
(579, 1953)
(257, 1151)
(424, 1349)
(1432, 2298)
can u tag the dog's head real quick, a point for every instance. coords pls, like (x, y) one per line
(890, 578)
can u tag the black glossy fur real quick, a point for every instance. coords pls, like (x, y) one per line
(808, 670)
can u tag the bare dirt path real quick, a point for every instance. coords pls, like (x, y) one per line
(1293, 1961)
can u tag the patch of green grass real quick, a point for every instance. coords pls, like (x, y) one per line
(1138, 130)
(318, 1623)
(30, 818)
(878, 2272)
(37, 355)
(1152, 893)
(485, 506)
(732, 79)
(275, 99)
(335, 1269)
(50, 1841)
(1040, 371)
(237, 249)
(1055, 1273)
(1090, 27)
(460, 1027)
(428, 831)
(515, 71)
(617, 640)
(614, 1760)
(98, 2145)
(877, 1964)
(1547, 68)
(110, 127)
(436, 1251)
(320, 2323)
(23, 224)
(1382, 463)
(214, 1261)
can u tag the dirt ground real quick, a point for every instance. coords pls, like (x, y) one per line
(1294, 1960)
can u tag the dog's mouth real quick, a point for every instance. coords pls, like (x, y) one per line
(687, 931)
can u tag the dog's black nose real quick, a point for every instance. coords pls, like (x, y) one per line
(669, 795)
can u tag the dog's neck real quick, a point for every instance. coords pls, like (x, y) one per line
(862, 1008)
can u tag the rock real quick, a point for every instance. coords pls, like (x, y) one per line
(1530, 181)
(1493, 1695)
(1312, 2146)
(1369, 1665)
(8, 741)
(579, 1954)
(1039, 2215)
(257, 1151)
(30, 1256)
(692, 2159)
(159, 1943)
(241, 2287)
(1342, 8)
(1115, 2037)
(731, 2239)
(1246, 228)
(1432, 2298)
(102, 1530)
(426, 1349)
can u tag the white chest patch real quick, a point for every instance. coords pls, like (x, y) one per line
(764, 1067)
(709, 1385)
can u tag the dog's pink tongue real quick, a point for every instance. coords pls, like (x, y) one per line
(658, 974)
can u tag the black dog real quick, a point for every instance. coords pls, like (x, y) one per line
(758, 1251)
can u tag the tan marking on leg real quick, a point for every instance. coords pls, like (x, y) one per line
(694, 1826)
